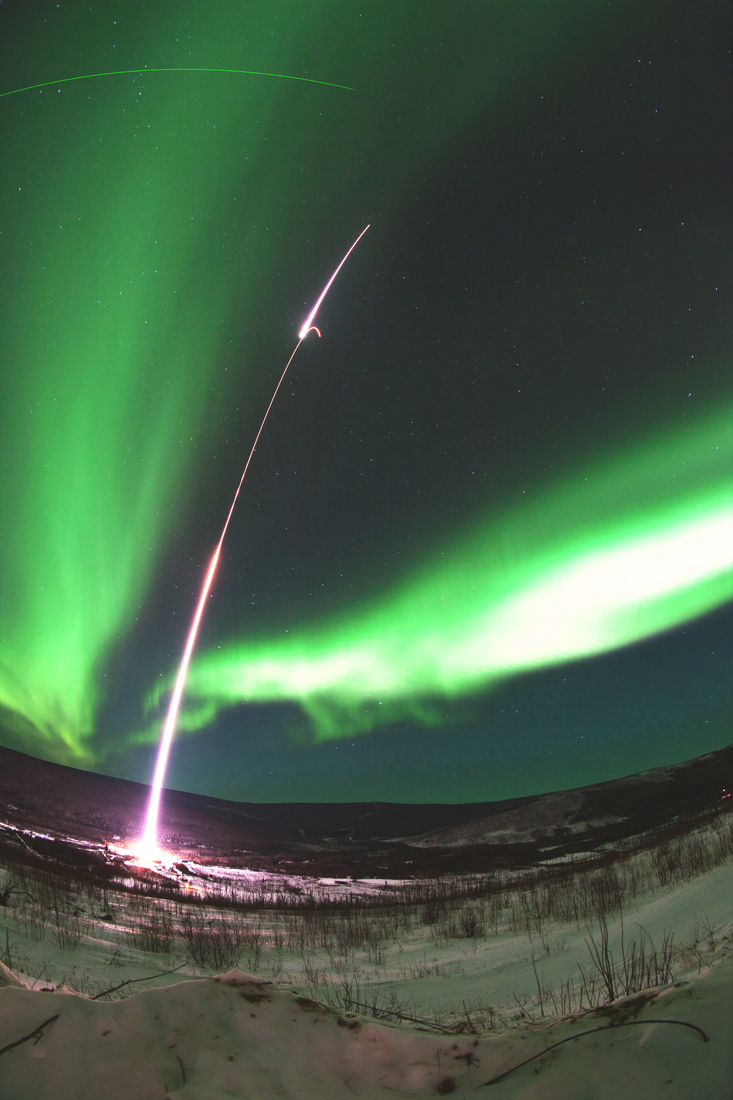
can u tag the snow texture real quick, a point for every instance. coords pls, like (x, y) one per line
(234, 1036)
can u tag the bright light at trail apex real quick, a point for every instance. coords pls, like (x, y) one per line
(308, 323)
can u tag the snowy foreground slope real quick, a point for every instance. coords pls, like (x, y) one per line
(234, 1037)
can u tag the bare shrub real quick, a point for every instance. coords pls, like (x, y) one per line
(315, 975)
(495, 910)
(217, 944)
(472, 922)
(445, 929)
(152, 932)
(68, 927)
(710, 934)
(433, 910)
(252, 941)
(605, 890)
(29, 920)
(641, 967)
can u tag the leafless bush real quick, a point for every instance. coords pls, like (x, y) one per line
(472, 922)
(152, 932)
(315, 975)
(29, 920)
(604, 889)
(252, 940)
(446, 929)
(67, 926)
(647, 968)
(348, 995)
(421, 969)
(683, 858)
(640, 967)
(218, 943)
(479, 1016)
(10, 889)
(433, 910)
(710, 934)
(495, 910)
(700, 945)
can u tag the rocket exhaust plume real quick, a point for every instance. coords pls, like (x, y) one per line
(147, 847)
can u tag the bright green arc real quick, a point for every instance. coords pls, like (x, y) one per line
(146, 247)
(142, 72)
(143, 245)
(116, 328)
(602, 561)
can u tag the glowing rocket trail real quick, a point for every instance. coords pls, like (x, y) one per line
(147, 847)
(308, 323)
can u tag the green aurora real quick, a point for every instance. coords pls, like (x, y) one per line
(115, 323)
(124, 295)
(634, 548)
(163, 233)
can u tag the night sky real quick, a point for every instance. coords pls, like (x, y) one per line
(484, 547)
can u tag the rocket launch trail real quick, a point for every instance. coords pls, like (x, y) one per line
(308, 323)
(147, 847)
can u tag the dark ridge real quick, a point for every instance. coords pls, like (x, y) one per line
(361, 837)
(42, 795)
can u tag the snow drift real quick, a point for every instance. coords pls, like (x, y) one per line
(236, 1037)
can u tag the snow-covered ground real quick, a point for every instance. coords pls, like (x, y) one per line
(515, 981)
(235, 1037)
(421, 969)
